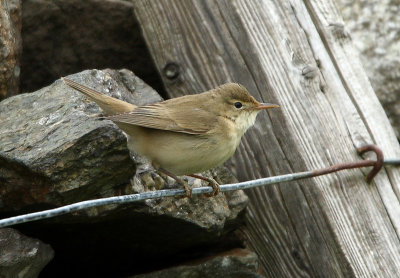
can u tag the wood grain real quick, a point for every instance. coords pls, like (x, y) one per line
(296, 54)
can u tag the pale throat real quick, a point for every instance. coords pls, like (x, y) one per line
(245, 120)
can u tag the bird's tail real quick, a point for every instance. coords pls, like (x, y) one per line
(109, 105)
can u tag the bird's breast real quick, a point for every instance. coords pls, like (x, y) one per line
(181, 153)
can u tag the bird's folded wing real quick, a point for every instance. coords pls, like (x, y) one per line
(159, 116)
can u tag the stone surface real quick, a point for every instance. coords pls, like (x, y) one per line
(63, 37)
(55, 151)
(148, 235)
(21, 256)
(375, 30)
(211, 214)
(10, 47)
(237, 263)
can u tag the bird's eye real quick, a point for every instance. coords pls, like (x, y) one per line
(238, 105)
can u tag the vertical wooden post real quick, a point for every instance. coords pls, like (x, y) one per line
(299, 55)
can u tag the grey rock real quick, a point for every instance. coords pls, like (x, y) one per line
(374, 27)
(21, 256)
(237, 263)
(10, 47)
(209, 213)
(54, 151)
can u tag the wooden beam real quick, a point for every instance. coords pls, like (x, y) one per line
(297, 54)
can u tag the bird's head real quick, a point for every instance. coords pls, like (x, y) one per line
(234, 102)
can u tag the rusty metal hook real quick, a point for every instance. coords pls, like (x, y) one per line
(378, 163)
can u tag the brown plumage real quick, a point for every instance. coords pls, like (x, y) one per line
(184, 135)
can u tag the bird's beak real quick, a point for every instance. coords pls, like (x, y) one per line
(266, 105)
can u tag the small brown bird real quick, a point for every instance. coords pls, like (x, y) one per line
(184, 135)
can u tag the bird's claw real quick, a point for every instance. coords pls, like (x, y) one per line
(188, 190)
(215, 187)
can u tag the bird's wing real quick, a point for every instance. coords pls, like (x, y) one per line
(167, 116)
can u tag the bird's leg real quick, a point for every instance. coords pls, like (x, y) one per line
(212, 182)
(188, 190)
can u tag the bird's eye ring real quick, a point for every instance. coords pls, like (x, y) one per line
(238, 105)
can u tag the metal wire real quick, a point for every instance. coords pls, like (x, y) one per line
(171, 192)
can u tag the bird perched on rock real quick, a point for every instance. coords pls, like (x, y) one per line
(184, 135)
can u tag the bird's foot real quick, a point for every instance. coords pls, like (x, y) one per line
(184, 184)
(215, 187)
(212, 183)
(188, 190)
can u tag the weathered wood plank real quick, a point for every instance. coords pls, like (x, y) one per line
(338, 43)
(286, 52)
